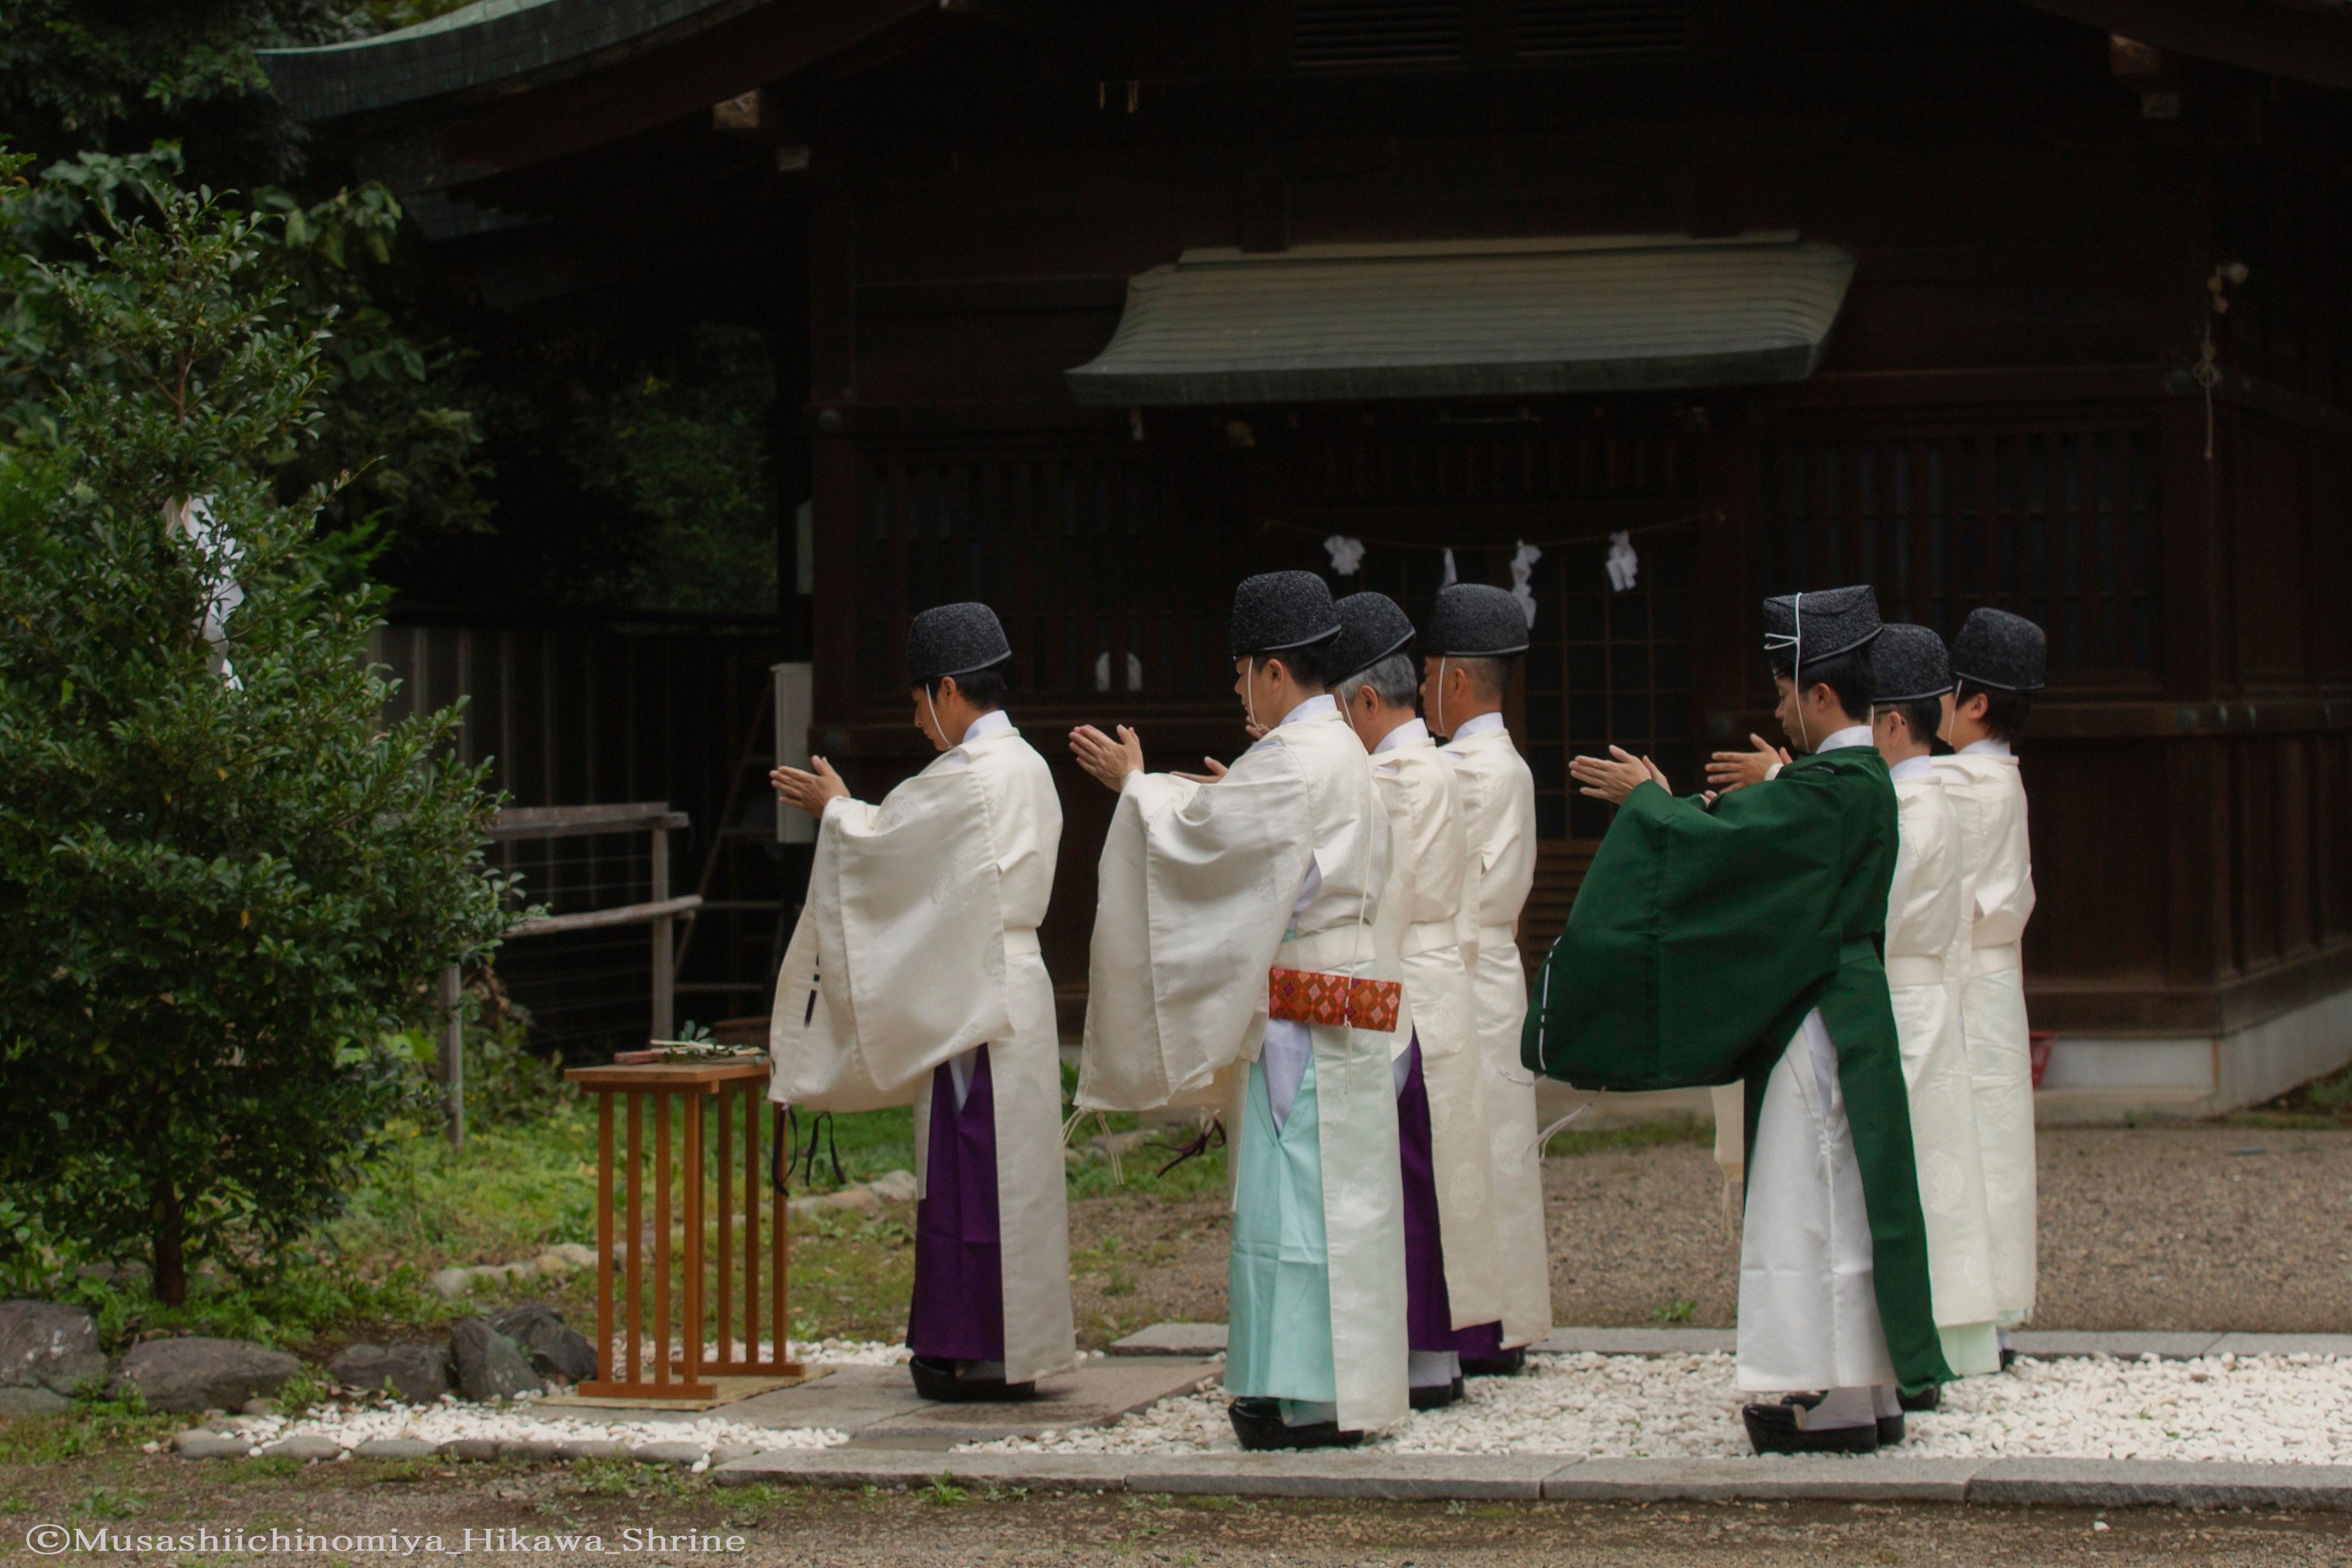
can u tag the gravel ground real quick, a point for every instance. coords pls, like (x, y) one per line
(784, 1527)
(2141, 1228)
(2273, 1409)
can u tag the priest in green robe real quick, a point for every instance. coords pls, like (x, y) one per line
(1739, 938)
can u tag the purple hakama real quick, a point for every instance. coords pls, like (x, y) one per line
(1428, 1312)
(958, 1311)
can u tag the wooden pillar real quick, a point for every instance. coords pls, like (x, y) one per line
(665, 953)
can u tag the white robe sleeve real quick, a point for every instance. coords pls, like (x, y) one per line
(897, 963)
(1194, 891)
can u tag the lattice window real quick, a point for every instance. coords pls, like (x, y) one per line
(2059, 525)
(1604, 668)
(1585, 30)
(1109, 572)
(1337, 34)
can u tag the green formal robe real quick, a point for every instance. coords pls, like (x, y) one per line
(1700, 940)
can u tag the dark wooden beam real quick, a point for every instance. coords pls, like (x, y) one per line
(643, 92)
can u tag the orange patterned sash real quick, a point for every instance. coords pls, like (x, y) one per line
(1314, 996)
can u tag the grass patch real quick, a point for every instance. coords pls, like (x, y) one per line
(1671, 1313)
(2322, 1105)
(1634, 1136)
(91, 1425)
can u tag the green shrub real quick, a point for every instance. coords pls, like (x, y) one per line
(224, 881)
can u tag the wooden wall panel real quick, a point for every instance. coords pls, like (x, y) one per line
(2101, 877)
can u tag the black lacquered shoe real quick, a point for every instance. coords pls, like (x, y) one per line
(1259, 1427)
(2008, 1357)
(1434, 1396)
(1509, 1363)
(1919, 1404)
(942, 1379)
(1773, 1429)
(1890, 1427)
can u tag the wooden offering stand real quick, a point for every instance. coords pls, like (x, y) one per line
(706, 1295)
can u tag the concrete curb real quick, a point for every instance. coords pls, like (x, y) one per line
(2079, 1483)
(1208, 1338)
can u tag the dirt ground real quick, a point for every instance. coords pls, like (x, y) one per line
(2170, 1227)
(678, 1520)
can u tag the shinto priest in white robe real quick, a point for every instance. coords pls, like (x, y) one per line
(1498, 809)
(1203, 888)
(1435, 932)
(1982, 782)
(917, 946)
(1924, 932)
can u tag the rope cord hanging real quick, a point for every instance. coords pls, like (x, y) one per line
(1669, 525)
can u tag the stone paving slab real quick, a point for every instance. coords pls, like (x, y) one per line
(1206, 1339)
(1760, 1480)
(849, 1400)
(2121, 1483)
(1097, 1394)
(902, 1468)
(1173, 1339)
(1637, 1341)
(1346, 1473)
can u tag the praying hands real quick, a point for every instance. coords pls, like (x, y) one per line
(810, 791)
(1729, 771)
(1108, 760)
(1614, 778)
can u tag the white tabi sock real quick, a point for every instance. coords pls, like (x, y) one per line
(1432, 1368)
(1308, 1412)
(1840, 1408)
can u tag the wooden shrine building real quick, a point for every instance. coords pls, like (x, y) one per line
(1102, 304)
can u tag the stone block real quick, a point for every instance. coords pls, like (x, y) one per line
(2124, 1483)
(308, 1447)
(211, 1445)
(551, 1346)
(669, 1453)
(490, 1365)
(574, 1253)
(2044, 1343)
(539, 1450)
(2283, 1344)
(193, 1374)
(1173, 1339)
(418, 1374)
(44, 1345)
(889, 1467)
(728, 1453)
(1345, 1473)
(590, 1448)
(16, 1401)
(1766, 1479)
(451, 1283)
(470, 1448)
(395, 1448)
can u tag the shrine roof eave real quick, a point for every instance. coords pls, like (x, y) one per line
(492, 46)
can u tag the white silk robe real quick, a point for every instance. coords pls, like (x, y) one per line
(918, 941)
(1924, 910)
(1196, 896)
(1433, 929)
(1989, 796)
(1498, 811)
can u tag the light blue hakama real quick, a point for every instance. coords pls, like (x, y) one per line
(1280, 1342)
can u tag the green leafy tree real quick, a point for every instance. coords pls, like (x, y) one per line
(224, 881)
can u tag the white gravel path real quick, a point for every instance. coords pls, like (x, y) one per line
(2271, 1408)
(451, 1420)
(521, 1424)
